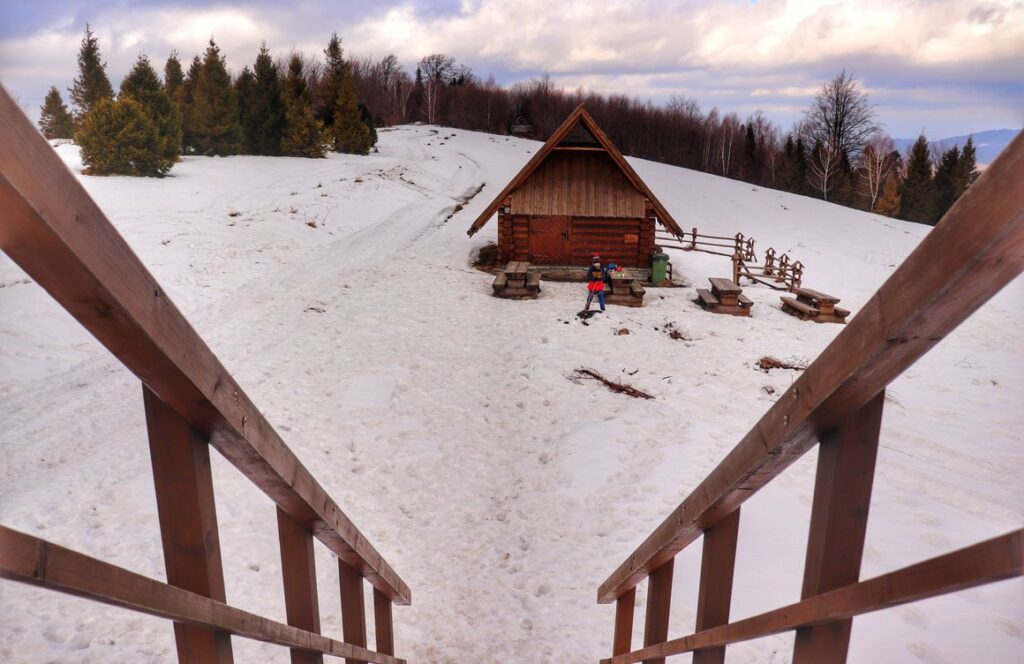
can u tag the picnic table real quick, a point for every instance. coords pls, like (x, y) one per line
(516, 282)
(725, 297)
(811, 304)
(626, 289)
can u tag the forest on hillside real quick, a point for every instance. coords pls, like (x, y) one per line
(297, 105)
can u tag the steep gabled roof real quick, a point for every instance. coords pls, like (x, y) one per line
(579, 115)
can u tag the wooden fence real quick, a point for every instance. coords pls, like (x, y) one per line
(837, 404)
(778, 272)
(57, 234)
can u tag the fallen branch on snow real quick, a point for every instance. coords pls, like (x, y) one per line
(767, 363)
(583, 373)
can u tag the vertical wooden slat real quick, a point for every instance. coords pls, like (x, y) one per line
(188, 523)
(659, 601)
(623, 639)
(839, 518)
(383, 627)
(298, 571)
(353, 610)
(716, 571)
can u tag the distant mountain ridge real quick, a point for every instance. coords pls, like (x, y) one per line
(988, 143)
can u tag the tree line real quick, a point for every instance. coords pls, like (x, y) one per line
(300, 107)
(294, 107)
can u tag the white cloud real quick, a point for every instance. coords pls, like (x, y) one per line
(739, 55)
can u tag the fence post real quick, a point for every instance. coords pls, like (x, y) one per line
(353, 610)
(839, 519)
(188, 523)
(383, 627)
(623, 638)
(716, 571)
(659, 601)
(298, 571)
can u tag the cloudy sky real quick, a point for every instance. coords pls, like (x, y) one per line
(947, 67)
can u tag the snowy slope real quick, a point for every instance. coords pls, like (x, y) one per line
(441, 419)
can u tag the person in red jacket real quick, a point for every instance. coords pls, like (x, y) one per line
(596, 276)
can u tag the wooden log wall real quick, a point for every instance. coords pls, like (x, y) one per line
(584, 184)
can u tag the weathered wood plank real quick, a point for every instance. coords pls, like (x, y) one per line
(353, 608)
(383, 626)
(659, 604)
(35, 561)
(188, 523)
(298, 572)
(67, 245)
(839, 521)
(622, 639)
(714, 596)
(986, 562)
(969, 256)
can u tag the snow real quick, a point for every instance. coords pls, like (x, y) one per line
(442, 421)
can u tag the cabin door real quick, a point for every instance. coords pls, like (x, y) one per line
(550, 240)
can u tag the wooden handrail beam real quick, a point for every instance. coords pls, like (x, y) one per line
(986, 562)
(52, 228)
(35, 561)
(967, 258)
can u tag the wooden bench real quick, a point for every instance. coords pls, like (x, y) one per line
(811, 304)
(516, 282)
(625, 290)
(725, 297)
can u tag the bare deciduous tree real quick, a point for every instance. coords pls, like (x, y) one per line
(841, 115)
(823, 166)
(437, 70)
(874, 165)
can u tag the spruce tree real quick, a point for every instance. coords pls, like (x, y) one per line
(142, 84)
(215, 108)
(947, 186)
(304, 134)
(889, 201)
(967, 168)
(54, 119)
(174, 76)
(184, 99)
(92, 84)
(118, 138)
(244, 90)
(750, 168)
(264, 124)
(348, 130)
(330, 82)
(918, 192)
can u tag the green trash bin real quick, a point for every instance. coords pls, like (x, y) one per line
(659, 267)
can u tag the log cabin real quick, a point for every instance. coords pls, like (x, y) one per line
(577, 197)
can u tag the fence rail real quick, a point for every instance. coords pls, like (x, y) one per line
(837, 403)
(51, 228)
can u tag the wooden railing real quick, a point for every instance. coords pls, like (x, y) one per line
(836, 404)
(52, 229)
(778, 272)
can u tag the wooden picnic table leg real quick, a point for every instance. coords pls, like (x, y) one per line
(839, 518)
(188, 523)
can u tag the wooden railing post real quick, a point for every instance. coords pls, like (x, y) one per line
(188, 523)
(659, 601)
(623, 638)
(839, 519)
(298, 571)
(353, 610)
(383, 627)
(716, 571)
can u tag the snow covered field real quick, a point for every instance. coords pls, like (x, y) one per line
(341, 297)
